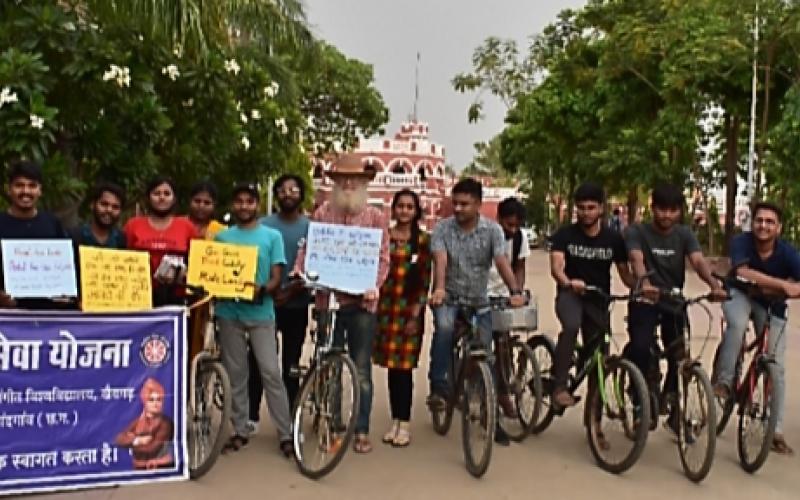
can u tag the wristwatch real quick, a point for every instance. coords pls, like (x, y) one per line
(516, 291)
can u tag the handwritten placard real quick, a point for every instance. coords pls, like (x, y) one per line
(223, 269)
(345, 257)
(39, 268)
(115, 280)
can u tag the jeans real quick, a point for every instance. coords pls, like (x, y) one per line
(292, 324)
(233, 339)
(643, 319)
(575, 313)
(444, 324)
(738, 311)
(357, 327)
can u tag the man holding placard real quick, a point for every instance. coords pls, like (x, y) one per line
(107, 200)
(24, 221)
(253, 322)
(357, 310)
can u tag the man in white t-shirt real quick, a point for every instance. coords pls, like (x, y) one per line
(510, 216)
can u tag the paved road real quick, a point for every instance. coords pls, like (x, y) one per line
(557, 464)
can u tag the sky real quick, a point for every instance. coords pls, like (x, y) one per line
(389, 33)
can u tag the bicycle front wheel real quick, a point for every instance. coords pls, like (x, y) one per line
(207, 420)
(478, 417)
(697, 422)
(617, 415)
(325, 415)
(758, 417)
(544, 353)
(524, 383)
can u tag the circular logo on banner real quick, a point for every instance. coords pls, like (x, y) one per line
(154, 351)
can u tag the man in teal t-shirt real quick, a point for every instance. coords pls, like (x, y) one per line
(253, 322)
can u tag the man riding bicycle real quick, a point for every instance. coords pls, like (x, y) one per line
(464, 247)
(761, 257)
(658, 253)
(581, 255)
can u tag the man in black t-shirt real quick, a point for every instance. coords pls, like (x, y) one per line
(581, 255)
(658, 253)
(23, 220)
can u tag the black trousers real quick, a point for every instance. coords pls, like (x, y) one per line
(401, 388)
(643, 319)
(575, 313)
(292, 324)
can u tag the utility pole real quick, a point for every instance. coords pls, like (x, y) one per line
(749, 193)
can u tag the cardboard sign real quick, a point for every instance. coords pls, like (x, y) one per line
(115, 280)
(345, 257)
(223, 269)
(39, 268)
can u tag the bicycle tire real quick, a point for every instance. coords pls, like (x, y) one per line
(544, 352)
(196, 423)
(749, 410)
(478, 382)
(596, 411)
(318, 390)
(695, 429)
(526, 392)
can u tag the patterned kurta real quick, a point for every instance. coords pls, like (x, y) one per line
(393, 348)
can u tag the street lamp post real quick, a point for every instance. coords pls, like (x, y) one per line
(752, 146)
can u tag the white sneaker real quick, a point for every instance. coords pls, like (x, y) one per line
(252, 427)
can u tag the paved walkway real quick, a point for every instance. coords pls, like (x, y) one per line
(557, 464)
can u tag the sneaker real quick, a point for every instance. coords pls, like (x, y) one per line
(436, 402)
(252, 427)
(500, 436)
(287, 448)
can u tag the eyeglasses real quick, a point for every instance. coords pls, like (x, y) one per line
(765, 222)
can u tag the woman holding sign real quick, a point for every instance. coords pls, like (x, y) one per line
(165, 237)
(401, 311)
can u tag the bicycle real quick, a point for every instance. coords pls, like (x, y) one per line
(471, 390)
(209, 405)
(614, 397)
(325, 413)
(752, 392)
(516, 369)
(692, 411)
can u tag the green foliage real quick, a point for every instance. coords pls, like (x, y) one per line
(125, 90)
(614, 92)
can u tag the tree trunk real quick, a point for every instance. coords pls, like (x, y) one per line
(633, 202)
(731, 175)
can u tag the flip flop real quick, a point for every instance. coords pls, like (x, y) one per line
(780, 446)
(235, 443)
(361, 444)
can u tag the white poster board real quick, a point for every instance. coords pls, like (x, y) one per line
(39, 268)
(345, 257)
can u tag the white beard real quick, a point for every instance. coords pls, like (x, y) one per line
(350, 202)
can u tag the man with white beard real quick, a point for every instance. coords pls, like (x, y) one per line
(356, 316)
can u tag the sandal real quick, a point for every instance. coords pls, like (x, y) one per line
(402, 437)
(235, 443)
(779, 445)
(390, 435)
(361, 444)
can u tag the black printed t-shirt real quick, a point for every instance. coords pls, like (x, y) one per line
(589, 258)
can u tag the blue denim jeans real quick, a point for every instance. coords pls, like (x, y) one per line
(738, 311)
(444, 322)
(358, 326)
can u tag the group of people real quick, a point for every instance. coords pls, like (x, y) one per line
(651, 258)
(467, 257)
